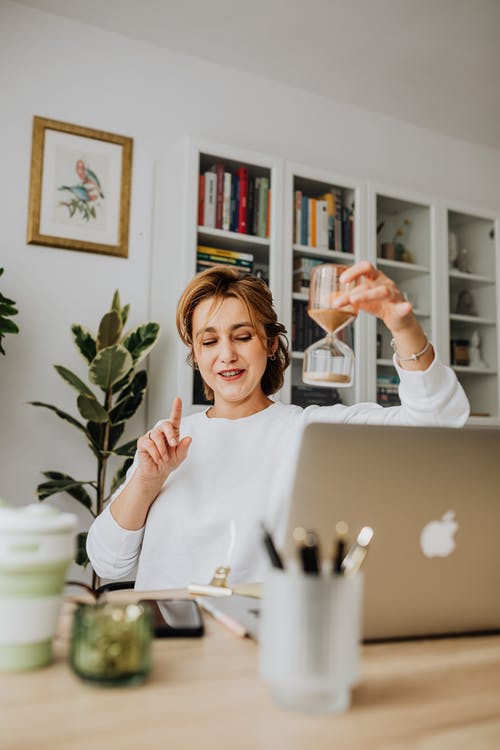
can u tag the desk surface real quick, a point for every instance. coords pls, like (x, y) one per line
(207, 692)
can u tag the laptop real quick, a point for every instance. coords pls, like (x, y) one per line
(432, 496)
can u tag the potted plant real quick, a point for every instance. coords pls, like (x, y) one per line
(7, 310)
(112, 357)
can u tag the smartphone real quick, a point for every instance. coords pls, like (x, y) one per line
(175, 618)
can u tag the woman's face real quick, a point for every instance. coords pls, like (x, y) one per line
(230, 355)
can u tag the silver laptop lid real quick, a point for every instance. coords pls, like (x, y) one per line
(432, 495)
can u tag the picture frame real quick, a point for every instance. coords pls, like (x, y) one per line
(80, 188)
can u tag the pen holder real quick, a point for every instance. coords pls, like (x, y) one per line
(310, 639)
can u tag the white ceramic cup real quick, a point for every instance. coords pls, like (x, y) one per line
(310, 639)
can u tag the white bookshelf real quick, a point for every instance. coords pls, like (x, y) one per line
(177, 235)
(431, 283)
(472, 305)
(409, 260)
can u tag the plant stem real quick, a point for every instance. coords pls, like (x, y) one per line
(101, 470)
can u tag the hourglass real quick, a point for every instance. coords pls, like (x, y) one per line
(329, 362)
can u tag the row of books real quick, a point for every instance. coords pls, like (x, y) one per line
(302, 268)
(207, 257)
(388, 390)
(305, 395)
(234, 201)
(325, 221)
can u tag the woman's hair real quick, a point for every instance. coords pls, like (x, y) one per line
(219, 283)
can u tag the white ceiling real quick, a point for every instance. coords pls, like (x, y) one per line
(435, 63)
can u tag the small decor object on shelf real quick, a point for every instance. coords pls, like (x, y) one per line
(7, 310)
(112, 356)
(475, 358)
(401, 253)
(80, 188)
(466, 304)
(460, 352)
(452, 249)
(463, 261)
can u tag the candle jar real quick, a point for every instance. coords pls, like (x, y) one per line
(112, 643)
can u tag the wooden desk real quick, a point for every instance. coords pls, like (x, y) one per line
(207, 693)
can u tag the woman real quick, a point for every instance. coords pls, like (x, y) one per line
(200, 486)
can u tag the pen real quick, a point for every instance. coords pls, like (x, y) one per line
(354, 559)
(273, 553)
(308, 548)
(340, 546)
(233, 625)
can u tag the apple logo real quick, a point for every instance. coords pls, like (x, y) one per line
(436, 539)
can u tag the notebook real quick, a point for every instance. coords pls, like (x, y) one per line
(432, 496)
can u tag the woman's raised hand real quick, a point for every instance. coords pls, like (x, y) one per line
(161, 451)
(377, 294)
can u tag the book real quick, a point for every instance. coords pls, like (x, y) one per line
(226, 206)
(298, 217)
(262, 207)
(235, 191)
(201, 199)
(311, 235)
(209, 209)
(255, 217)
(251, 204)
(304, 228)
(219, 193)
(322, 224)
(243, 200)
(330, 204)
(226, 253)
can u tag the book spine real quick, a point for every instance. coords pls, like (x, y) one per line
(227, 253)
(262, 218)
(250, 204)
(243, 204)
(226, 206)
(210, 188)
(298, 217)
(201, 200)
(255, 217)
(322, 224)
(268, 213)
(235, 189)
(304, 229)
(219, 194)
(215, 260)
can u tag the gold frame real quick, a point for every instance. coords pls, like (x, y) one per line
(40, 125)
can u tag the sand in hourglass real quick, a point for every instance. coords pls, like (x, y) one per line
(331, 320)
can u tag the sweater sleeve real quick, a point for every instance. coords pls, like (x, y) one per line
(113, 550)
(432, 398)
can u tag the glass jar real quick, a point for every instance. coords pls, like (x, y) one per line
(112, 643)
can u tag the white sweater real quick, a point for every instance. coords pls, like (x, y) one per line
(238, 473)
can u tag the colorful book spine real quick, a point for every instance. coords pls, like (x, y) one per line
(219, 194)
(262, 207)
(210, 190)
(243, 203)
(201, 200)
(226, 206)
(304, 228)
(298, 217)
(225, 253)
(321, 225)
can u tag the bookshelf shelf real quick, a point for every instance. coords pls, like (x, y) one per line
(472, 320)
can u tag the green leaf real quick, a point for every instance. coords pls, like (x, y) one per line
(64, 483)
(127, 449)
(115, 302)
(141, 340)
(8, 326)
(119, 477)
(90, 408)
(62, 415)
(115, 432)
(85, 342)
(130, 398)
(7, 306)
(124, 314)
(110, 330)
(109, 366)
(73, 380)
(81, 557)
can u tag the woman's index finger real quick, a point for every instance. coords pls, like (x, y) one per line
(176, 413)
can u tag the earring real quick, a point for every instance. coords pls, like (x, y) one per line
(195, 366)
(272, 357)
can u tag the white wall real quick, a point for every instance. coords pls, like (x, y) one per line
(67, 71)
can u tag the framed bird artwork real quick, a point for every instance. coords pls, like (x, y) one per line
(80, 188)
